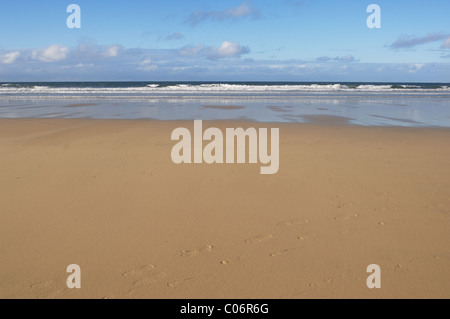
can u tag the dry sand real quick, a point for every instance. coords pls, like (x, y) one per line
(105, 195)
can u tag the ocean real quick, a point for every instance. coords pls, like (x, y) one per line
(368, 104)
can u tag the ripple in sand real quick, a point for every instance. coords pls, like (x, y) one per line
(259, 239)
(196, 252)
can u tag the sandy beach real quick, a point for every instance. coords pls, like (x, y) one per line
(105, 195)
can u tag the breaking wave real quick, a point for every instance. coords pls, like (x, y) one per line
(168, 88)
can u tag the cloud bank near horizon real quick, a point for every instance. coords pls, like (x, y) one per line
(91, 62)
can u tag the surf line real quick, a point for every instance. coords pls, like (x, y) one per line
(234, 146)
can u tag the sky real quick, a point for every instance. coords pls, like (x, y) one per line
(234, 40)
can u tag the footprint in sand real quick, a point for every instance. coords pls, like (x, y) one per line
(342, 205)
(439, 208)
(196, 252)
(348, 231)
(442, 257)
(322, 283)
(150, 279)
(294, 223)
(47, 289)
(139, 272)
(346, 217)
(177, 283)
(281, 252)
(397, 267)
(144, 276)
(42, 285)
(259, 239)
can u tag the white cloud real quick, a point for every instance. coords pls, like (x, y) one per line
(191, 51)
(406, 42)
(112, 51)
(53, 53)
(9, 58)
(242, 11)
(175, 36)
(88, 62)
(91, 51)
(230, 49)
(413, 68)
(226, 50)
(276, 66)
(446, 44)
(345, 59)
(84, 66)
(147, 65)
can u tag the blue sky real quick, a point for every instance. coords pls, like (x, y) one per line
(235, 40)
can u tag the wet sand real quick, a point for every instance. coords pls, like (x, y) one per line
(223, 107)
(399, 111)
(105, 195)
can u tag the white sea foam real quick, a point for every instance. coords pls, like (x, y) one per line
(187, 89)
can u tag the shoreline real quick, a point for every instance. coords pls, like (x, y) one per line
(421, 111)
(316, 121)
